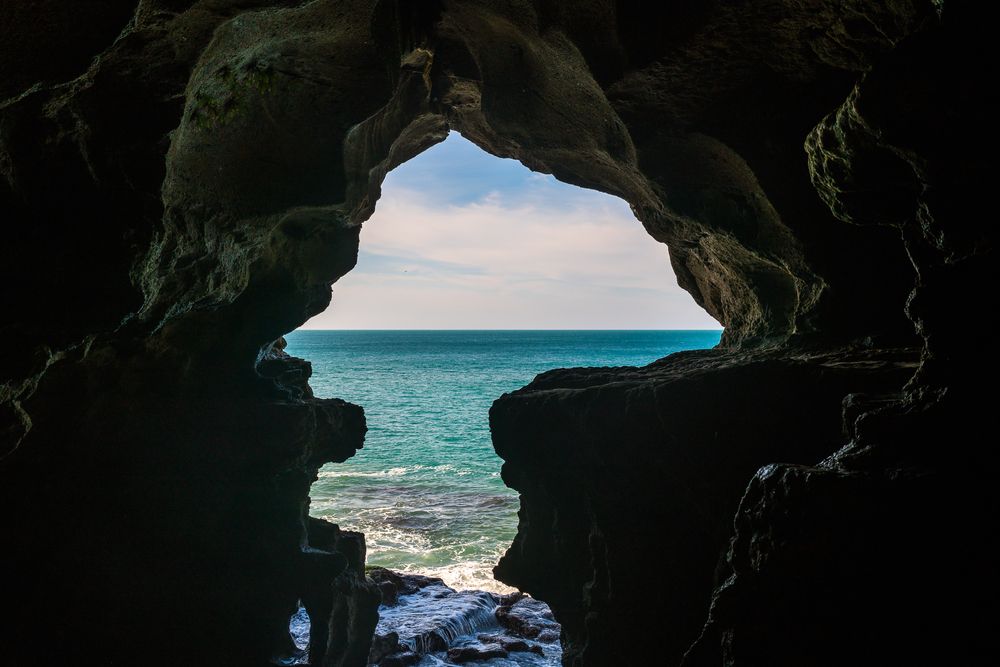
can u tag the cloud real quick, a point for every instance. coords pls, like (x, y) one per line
(520, 250)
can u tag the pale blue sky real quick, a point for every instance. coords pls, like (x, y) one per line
(464, 240)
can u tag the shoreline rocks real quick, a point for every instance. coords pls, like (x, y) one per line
(421, 616)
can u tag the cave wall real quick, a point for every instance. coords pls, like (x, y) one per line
(159, 450)
(629, 480)
(881, 550)
(184, 181)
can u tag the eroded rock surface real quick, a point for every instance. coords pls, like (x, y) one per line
(629, 479)
(343, 609)
(424, 622)
(183, 181)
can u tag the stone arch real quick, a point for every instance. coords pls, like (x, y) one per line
(293, 117)
(275, 137)
(211, 235)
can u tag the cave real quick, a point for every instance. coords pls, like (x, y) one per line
(461, 244)
(184, 180)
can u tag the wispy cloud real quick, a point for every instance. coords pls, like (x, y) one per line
(508, 249)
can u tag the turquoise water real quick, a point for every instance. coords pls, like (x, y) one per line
(426, 488)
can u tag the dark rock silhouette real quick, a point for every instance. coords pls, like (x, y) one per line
(473, 654)
(342, 602)
(629, 480)
(184, 180)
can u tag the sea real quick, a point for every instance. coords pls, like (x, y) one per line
(426, 489)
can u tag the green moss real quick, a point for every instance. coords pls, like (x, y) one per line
(217, 102)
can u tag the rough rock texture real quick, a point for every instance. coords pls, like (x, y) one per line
(629, 479)
(183, 180)
(424, 621)
(526, 617)
(343, 610)
(882, 550)
(393, 584)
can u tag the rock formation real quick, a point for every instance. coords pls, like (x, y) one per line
(629, 480)
(184, 180)
(422, 620)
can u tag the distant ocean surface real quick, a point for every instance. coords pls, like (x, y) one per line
(426, 488)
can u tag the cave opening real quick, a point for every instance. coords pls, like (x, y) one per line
(206, 168)
(474, 275)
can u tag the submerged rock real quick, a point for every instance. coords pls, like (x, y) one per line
(476, 653)
(527, 618)
(548, 636)
(511, 645)
(443, 626)
(401, 659)
(393, 584)
(384, 646)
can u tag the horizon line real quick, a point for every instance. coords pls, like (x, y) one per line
(503, 329)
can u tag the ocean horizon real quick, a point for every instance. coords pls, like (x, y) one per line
(426, 487)
(445, 329)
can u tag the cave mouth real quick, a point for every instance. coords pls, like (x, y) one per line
(803, 164)
(474, 275)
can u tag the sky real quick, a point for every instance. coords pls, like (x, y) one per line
(461, 239)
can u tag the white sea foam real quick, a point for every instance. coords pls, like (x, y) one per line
(344, 470)
(381, 536)
(435, 615)
(465, 576)
(436, 611)
(426, 488)
(391, 472)
(462, 565)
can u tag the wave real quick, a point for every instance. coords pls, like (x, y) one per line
(391, 472)
(497, 501)
(396, 472)
(423, 621)
(400, 547)
(464, 576)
